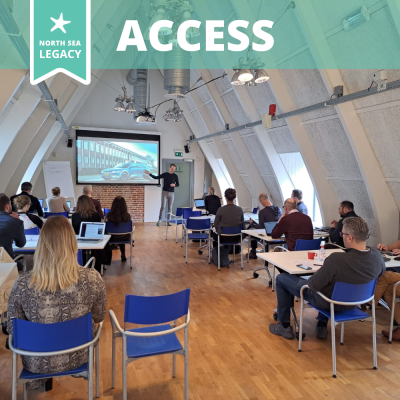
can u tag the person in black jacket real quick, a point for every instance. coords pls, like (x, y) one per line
(346, 210)
(26, 189)
(269, 213)
(212, 202)
(11, 227)
(171, 181)
(22, 204)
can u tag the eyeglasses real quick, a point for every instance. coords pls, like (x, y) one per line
(344, 234)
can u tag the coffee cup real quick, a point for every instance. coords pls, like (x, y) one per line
(312, 255)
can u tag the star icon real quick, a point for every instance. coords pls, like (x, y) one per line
(59, 23)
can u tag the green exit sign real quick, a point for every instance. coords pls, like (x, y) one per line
(178, 153)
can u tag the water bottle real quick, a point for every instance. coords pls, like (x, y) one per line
(322, 253)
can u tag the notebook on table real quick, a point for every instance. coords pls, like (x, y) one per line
(91, 232)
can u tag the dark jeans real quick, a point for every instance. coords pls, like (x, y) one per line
(288, 286)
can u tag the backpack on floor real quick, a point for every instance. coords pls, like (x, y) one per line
(238, 248)
(223, 254)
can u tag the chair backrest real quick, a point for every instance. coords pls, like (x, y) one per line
(31, 336)
(80, 258)
(232, 230)
(198, 224)
(107, 210)
(145, 310)
(255, 210)
(187, 213)
(352, 293)
(303, 245)
(32, 231)
(50, 214)
(124, 227)
(179, 211)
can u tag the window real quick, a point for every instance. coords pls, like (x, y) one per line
(114, 152)
(98, 161)
(79, 159)
(97, 147)
(92, 160)
(107, 162)
(79, 144)
(102, 161)
(102, 149)
(92, 146)
(300, 177)
(86, 145)
(107, 150)
(86, 160)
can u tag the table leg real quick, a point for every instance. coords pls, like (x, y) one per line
(273, 278)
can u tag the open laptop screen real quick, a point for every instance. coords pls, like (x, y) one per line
(92, 230)
(69, 204)
(41, 202)
(269, 226)
(199, 203)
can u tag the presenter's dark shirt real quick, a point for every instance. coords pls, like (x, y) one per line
(168, 179)
(35, 205)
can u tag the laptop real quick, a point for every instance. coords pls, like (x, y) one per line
(91, 232)
(269, 226)
(199, 203)
(41, 202)
(69, 204)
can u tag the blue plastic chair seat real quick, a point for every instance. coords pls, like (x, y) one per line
(31, 375)
(197, 236)
(354, 314)
(137, 347)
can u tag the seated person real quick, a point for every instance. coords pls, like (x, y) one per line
(394, 248)
(84, 212)
(294, 225)
(88, 191)
(346, 210)
(297, 196)
(22, 205)
(117, 215)
(212, 202)
(358, 264)
(56, 291)
(269, 213)
(57, 204)
(384, 288)
(26, 190)
(228, 216)
(11, 227)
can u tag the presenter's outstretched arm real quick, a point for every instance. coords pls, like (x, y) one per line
(153, 176)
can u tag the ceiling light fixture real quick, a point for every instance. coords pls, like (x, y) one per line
(249, 72)
(120, 107)
(146, 118)
(174, 114)
(356, 19)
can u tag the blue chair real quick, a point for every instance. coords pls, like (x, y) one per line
(44, 340)
(152, 340)
(349, 295)
(80, 258)
(106, 211)
(305, 245)
(33, 231)
(187, 213)
(226, 232)
(125, 228)
(198, 225)
(255, 210)
(176, 219)
(50, 214)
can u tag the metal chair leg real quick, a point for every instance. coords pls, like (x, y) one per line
(25, 392)
(90, 377)
(241, 255)
(113, 362)
(392, 314)
(375, 353)
(97, 358)
(124, 387)
(342, 333)
(301, 322)
(186, 365)
(14, 377)
(333, 340)
(219, 256)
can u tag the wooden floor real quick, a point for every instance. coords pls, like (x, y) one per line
(232, 355)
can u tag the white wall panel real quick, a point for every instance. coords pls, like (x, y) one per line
(283, 140)
(235, 156)
(258, 154)
(273, 189)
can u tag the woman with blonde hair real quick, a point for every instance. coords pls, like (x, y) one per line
(56, 290)
(22, 204)
(57, 204)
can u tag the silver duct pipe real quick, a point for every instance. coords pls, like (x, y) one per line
(177, 76)
(138, 78)
(11, 27)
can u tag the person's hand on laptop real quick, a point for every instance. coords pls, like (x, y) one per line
(383, 247)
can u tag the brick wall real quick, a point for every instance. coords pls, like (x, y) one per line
(134, 196)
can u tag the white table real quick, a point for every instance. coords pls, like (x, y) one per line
(32, 241)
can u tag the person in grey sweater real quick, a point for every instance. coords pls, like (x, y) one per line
(57, 204)
(359, 264)
(228, 216)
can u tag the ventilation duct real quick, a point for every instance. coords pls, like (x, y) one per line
(177, 77)
(138, 78)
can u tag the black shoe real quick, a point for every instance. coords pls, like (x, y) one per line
(7, 346)
(123, 258)
(253, 255)
(4, 328)
(321, 331)
(48, 385)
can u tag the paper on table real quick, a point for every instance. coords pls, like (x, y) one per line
(309, 263)
(262, 231)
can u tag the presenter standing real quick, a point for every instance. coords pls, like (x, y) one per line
(171, 181)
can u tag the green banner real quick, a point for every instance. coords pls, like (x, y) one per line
(223, 34)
